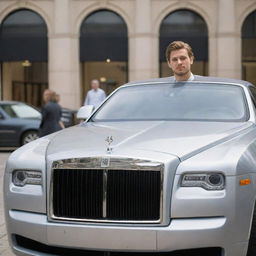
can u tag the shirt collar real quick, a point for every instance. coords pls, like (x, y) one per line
(191, 78)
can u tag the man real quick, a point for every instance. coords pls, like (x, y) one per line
(96, 95)
(180, 57)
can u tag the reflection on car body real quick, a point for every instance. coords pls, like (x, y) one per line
(158, 167)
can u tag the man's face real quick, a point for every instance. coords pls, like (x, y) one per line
(180, 62)
(46, 96)
(95, 84)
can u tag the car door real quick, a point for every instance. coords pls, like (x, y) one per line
(9, 130)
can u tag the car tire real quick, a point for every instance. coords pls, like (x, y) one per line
(28, 137)
(252, 241)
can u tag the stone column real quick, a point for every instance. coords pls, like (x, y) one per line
(212, 58)
(228, 63)
(143, 45)
(64, 58)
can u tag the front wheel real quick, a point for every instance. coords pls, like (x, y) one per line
(252, 242)
(28, 137)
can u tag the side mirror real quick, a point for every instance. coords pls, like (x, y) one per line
(84, 112)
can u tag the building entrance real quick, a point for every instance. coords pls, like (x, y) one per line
(187, 26)
(103, 51)
(23, 56)
(249, 49)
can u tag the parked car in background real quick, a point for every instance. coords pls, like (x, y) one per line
(158, 167)
(68, 117)
(19, 122)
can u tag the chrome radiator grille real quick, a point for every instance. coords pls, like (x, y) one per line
(133, 195)
(107, 195)
(77, 193)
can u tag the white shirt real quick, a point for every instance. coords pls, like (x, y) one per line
(191, 78)
(95, 97)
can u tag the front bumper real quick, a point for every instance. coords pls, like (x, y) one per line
(179, 234)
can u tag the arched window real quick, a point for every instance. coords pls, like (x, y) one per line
(248, 48)
(104, 50)
(23, 55)
(187, 26)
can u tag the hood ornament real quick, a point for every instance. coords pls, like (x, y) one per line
(109, 140)
(105, 161)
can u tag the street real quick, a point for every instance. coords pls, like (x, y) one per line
(4, 246)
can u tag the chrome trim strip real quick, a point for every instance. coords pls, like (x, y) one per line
(8, 131)
(116, 163)
(50, 203)
(105, 183)
(106, 221)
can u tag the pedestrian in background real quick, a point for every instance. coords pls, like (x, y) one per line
(51, 114)
(96, 95)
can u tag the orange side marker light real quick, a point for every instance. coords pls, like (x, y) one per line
(245, 182)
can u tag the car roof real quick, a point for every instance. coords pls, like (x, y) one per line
(197, 79)
(11, 102)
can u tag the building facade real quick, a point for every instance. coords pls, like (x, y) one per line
(63, 44)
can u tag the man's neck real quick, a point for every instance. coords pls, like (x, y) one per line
(183, 78)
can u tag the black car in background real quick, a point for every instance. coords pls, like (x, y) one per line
(19, 123)
(68, 117)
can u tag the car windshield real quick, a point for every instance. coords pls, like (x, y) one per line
(21, 111)
(176, 101)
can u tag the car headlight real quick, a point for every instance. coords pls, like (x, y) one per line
(211, 181)
(23, 177)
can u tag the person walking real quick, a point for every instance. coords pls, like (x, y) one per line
(51, 114)
(96, 95)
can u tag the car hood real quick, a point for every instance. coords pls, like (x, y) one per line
(181, 139)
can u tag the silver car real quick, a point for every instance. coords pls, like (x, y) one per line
(160, 168)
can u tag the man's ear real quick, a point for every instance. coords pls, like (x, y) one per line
(192, 59)
(169, 65)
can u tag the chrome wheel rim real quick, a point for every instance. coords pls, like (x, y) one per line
(30, 137)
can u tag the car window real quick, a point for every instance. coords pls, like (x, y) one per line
(21, 111)
(253, 95)
(179, 101)
(1, 115)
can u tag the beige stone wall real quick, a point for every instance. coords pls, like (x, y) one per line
(224, 19)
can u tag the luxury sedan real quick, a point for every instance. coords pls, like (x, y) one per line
(160, 168)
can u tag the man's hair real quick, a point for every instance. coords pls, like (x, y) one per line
(50, 94)
(95, 80)
(178, 45)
